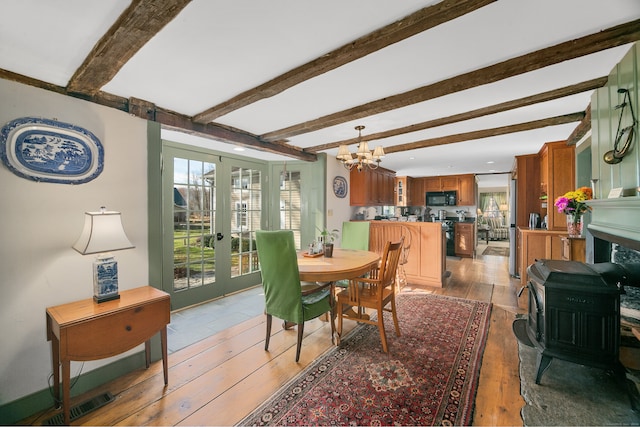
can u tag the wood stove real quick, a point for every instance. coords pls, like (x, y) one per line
(574, 315)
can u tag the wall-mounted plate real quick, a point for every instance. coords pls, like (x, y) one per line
(340, 186)
(50, 151)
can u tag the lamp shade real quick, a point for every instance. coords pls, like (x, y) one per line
(102, 232)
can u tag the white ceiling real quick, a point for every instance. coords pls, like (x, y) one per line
(215, 49)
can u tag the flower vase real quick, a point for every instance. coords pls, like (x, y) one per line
(574, 225)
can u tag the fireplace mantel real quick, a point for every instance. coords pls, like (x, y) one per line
(618, 219)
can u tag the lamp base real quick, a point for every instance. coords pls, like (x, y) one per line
(105, 278)
(104, 298)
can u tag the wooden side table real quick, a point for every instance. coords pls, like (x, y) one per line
(85, 330)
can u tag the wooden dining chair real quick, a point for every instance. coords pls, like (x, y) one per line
(283, 293)
(374, 292)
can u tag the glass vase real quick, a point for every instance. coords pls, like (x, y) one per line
(574, 225)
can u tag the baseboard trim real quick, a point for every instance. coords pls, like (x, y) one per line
(20, 409)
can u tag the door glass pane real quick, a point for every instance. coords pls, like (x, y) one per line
(290, 206)
(246, 218)
(193, 224)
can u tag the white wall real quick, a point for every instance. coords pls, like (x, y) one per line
(40, 221)
(338, 210)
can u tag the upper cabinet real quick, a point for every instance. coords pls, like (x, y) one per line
(380, 187)
(464, 185)
(553, 168)
(466, 190)
(557, 176)
(441, 183)
(409, 191)
(372, 187)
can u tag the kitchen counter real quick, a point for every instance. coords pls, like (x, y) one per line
(425, 241)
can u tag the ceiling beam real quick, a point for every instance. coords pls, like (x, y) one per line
(169, 119)
(485, 133)
(404, 28)
(142, 20)
(175, 121)
(606, 39)
(581, 130)
(480, 112)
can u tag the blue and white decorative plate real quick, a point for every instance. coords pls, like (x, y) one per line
(340, 186)
(50, 151)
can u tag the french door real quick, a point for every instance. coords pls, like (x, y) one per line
(211, 210)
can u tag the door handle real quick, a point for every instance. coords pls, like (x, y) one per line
(219, 236)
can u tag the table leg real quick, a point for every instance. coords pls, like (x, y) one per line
(147, 353)
(55, 359)
(165, 361)
(66, 393)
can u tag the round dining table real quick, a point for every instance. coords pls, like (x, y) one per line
(344, 264)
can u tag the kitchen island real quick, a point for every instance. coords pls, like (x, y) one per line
(425, 241)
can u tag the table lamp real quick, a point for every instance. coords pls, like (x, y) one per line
(102, 234)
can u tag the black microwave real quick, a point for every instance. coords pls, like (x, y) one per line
(441, 198)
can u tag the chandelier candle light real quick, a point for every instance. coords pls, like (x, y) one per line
(103, 233)
(573, 205)
(362, 157)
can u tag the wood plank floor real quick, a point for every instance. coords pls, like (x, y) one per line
(219, 380)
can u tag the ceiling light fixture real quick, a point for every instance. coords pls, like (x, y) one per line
(362, 157)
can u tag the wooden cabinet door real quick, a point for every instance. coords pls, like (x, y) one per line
(360, 187)
(561, 175)
(464, 239)
(416, 193)
(372, 187)
(449, 183)
(388, 198)
(466, 190)
(401, 192)
(432, 184)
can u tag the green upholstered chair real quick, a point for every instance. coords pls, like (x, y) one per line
(283, 293)
(355, 235)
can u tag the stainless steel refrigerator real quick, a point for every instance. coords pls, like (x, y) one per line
(512, 228)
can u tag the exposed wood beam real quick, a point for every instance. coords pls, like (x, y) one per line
(485, 133)
(134, 28)
(493, 109)
(102, 98)
(172, 120)
(148, 110)
(606, 39)
(406, 27)
(581, 130)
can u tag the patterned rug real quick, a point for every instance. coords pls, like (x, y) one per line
(429, 376)
(496, 251)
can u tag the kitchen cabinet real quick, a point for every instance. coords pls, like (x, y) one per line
(463, 185)
(538, 244)
(464, 239)
(372, 187)
(423, 261)
(557, 176)
(441, 183)
(466, 190)
(408, 191)
(416, 192)
(402, 191)
(573, 248)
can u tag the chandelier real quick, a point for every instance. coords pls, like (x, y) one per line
(362, 157)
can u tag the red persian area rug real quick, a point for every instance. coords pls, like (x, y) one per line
(429, 376)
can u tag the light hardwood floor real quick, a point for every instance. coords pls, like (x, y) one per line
(222, 378)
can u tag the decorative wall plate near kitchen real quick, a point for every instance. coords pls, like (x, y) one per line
(340, 186)
(50, 151)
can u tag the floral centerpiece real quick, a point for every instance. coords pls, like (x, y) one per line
(573, 204)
